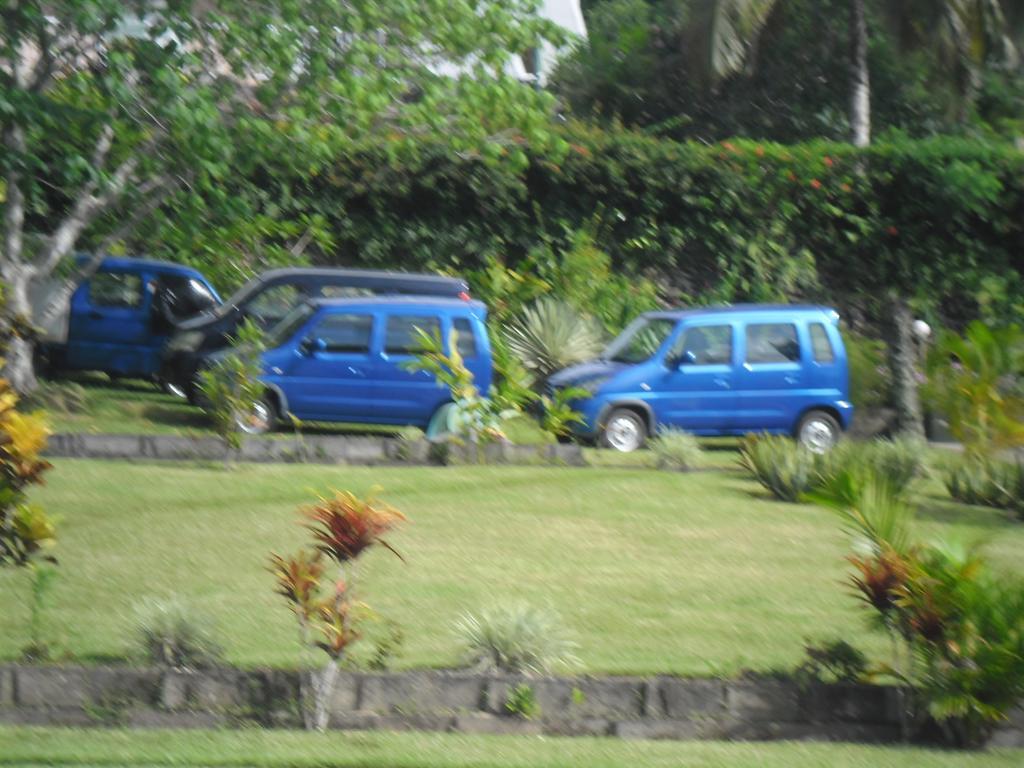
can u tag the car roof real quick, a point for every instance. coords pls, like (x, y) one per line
(744, 309)
(131, 262)
(359, 274)
(431, 302)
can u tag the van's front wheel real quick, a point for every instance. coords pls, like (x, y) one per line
(260, 419)
(818, 431)
(624, 430)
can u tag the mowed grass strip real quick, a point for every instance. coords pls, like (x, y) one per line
(654, 572)
(274, 749)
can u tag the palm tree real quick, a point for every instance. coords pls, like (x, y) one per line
(965, 36)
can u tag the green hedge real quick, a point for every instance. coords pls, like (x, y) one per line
(941, 221)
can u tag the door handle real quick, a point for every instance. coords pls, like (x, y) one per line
(356, 371)
(792, 379)
(721, 383)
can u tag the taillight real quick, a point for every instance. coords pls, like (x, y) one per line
(464, 296)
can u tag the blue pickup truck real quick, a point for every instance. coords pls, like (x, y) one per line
(118, 320)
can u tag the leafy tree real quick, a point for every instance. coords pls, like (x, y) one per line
(111, 110)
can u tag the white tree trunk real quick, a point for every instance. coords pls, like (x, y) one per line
(860, 94)
(18, 366)
(903, 362)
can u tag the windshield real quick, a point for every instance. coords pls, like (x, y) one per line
(288, 325)
(640, 340)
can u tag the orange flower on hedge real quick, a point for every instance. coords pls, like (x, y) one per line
(829, 162)
(729, 145)
(815, 184)
(346, 525)
(759, 151)
(892, 230)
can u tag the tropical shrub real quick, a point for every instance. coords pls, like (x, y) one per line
(471, 416)
(785, 468)
(550, 335)
(676, 449)
(517, 638)
(961, 624)
(975, 381)
(986, 482)
(521, 701)
(834, 661)
(558, 415)
(329, 616)
(174, 633)
(897, 462)
(230, 387)
(870, 380)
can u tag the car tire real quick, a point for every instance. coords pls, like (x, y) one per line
(261, 419)
(818, 431)
(624, 430)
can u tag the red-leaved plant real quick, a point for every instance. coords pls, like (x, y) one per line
(343, 527)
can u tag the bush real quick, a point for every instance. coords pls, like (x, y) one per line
(835, 661)
(676, 449)
(895, 462)
(550, 335)
(870, 379)
(65, 397)
(781, 465)
(987, 482)
(515, 639)
(172, 633)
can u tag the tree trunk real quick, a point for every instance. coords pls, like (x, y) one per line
(860, 93)
(903, 362)
(18, 366)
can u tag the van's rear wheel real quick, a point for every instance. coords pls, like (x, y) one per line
(624, 430)
(261, 418)
(818, 431)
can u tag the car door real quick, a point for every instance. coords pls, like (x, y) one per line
(328, 377)
(402, 396)
(109, 326)
(696, 391)
(770, 382)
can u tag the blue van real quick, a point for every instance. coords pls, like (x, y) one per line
(718, 371)
(344, 360)
(119, 318)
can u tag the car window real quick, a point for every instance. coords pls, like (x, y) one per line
(640, 340)
(465, 337)
(772, 343)
(821, 345)
(120, 290)
(401, 337)
(348, 333)
(710, 345)
(274, 303)
(344, 292)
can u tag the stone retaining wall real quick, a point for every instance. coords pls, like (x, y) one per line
(626, 707)
(314, 449)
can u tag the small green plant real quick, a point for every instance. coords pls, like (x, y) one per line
(387, 647)
(974, 380)
(898, 462)
(834, 661)
(515, 639)
(870, 379)
(471, 416)
(407, 440)
(231, 392)
(521, 701)
(43, 578)
(65, 397)
(986, 482)
(558, 415)
(785, 468)
(172, 633)
(676, 449)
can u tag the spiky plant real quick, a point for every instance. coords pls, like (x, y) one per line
(785, 468)
(517, 638)
(550, 335)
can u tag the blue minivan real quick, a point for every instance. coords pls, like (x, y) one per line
(345, 360)
(719, 371)
(119, 318)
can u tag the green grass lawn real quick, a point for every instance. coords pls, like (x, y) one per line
(277, 749)
(653, 572)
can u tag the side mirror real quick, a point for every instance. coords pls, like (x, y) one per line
(310, 345)
(687, 358)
